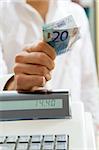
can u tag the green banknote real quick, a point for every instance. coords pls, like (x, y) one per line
(61, 34)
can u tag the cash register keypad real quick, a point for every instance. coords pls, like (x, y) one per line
(35, 142)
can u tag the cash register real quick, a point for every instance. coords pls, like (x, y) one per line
(42, 121)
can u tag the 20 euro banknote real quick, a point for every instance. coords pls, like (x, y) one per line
(61, 34)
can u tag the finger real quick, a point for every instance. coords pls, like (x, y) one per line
(38, 89)
(38, 58)
(27, 82)
(30, 69)
(42, 47)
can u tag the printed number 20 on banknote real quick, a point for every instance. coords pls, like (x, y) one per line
(61, 34)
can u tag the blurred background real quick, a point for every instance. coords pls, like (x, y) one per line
(97, 32)
(92, 10)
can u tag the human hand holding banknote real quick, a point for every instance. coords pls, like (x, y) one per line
(32, 67)
(34, 64)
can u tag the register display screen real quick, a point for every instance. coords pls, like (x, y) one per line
(31, 104)
(21, 106)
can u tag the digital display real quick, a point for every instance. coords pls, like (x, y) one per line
(31, 104)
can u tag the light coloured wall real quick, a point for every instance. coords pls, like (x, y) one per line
(92, 24)
(97, 33)
(97, 50)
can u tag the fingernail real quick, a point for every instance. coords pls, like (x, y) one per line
(48, 77)
(44, 81)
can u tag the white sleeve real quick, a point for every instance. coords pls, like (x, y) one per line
(3, 68)
(89, 79)
(3, 71)
(4, 77)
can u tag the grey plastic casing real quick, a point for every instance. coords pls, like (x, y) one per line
(29, 114)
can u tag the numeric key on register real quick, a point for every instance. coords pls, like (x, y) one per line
(36, 138)
(61, 146)
(22, 146)
(2, 139)
(48, 146)
(49, 138)
(7, 146)
(24, 139)
(61, 138)
(35, 146)
(11, 139)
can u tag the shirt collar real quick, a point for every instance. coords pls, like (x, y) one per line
(53, 4)
(51, 9)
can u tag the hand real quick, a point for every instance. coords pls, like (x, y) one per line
(33, 66)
